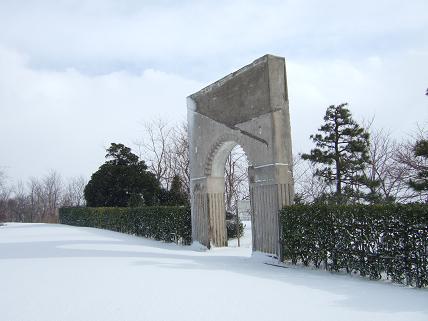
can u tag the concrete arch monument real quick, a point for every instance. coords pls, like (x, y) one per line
(248, 107)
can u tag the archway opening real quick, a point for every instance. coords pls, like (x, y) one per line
(237, 199)
(228, 168)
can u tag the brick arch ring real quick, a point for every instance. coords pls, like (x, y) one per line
(216, 157)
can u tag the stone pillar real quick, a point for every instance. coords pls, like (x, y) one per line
(271, 188)
(208, 212)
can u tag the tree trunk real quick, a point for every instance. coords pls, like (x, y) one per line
(337, 159)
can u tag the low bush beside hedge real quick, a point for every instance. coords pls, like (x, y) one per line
(170, 224)
(377, 241)
(231, 229)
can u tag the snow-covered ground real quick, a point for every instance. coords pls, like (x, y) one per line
(61, 273)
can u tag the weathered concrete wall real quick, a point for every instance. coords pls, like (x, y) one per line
(248, 107)
(238, 97)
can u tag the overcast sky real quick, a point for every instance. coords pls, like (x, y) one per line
(78, 75)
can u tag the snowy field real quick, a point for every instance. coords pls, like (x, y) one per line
(61, 273)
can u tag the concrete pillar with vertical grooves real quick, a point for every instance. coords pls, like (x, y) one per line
(208, 212)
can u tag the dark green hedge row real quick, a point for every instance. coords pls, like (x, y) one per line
(170, 224)
(376, 241)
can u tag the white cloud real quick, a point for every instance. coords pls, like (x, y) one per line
(99, 35)
(389, 89)
(63, 120)
(76, 75)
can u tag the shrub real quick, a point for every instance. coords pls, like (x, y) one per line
(376, 241)
(170, 224)
(231, 229)
(231, 226)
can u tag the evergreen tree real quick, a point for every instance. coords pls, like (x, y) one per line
(175, 196)
(421, 182)
(341, 152)
(123, 180)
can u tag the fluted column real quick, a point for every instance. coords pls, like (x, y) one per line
(208, 212)
(271, 188)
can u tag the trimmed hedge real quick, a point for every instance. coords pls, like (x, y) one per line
(170, 224)
(376, 241)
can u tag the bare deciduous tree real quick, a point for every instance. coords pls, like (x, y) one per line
(235, 178)
(307, 185)
(18, 206)
(74, 192)
(4, 196)
(38, 199)
(35, 192)
(179, 155)
(409, 166)
(155, 149)
(52, 191)
(385, 169)
(165, 149)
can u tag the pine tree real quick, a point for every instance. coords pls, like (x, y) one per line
(421, 182)
(420, 150)
(175, 196)
(342, 153)
(123, 180)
